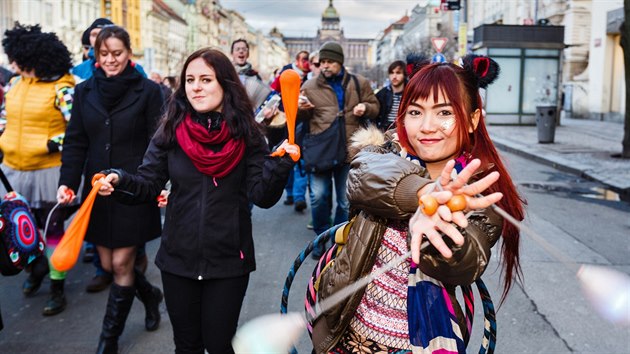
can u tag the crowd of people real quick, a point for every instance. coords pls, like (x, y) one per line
(199, 145)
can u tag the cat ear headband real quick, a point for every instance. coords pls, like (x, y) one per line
(481, 69)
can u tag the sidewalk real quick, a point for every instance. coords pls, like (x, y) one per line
(581, 146)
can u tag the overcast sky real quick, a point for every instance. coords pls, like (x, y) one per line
(294, 18)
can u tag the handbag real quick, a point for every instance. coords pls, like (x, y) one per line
(326, 150)
(20, 239)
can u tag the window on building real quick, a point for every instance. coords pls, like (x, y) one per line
(49, 14)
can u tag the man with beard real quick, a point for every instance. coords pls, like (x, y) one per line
(334, 94)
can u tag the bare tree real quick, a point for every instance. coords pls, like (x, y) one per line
(625, 44)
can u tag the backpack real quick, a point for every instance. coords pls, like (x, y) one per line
(20, 239)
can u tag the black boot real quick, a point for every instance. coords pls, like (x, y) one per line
(38, 268)
(118, 306)
(151, 297)
(57, 301)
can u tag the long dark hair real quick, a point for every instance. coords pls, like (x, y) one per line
(461, 89)
(237, 110)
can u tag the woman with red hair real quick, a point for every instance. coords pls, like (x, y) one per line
(440, 149)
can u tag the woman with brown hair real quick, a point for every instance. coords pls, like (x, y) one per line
(216, 157)
(115, 114)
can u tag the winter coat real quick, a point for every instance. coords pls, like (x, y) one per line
(208, 228)
(97, 140)
(323, 97)
(383, 186)
(33, 119)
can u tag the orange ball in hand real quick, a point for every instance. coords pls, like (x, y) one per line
(457, 203)
(428, 204)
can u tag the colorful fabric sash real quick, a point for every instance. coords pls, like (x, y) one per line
(433, 323)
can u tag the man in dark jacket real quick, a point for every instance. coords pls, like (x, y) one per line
(334, 94)
(390, 95)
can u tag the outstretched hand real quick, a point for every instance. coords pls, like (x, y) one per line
(443, 191)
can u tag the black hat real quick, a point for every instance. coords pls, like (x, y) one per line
(85, 37)
(98, 23)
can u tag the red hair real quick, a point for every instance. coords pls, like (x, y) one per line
(459, 87)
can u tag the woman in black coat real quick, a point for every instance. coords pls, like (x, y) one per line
(114, 116)
(214, 154)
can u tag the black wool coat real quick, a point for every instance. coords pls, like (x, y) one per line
(97, 140)
(208, 227)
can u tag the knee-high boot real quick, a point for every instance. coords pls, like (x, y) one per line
(151, 297)
(118, 306)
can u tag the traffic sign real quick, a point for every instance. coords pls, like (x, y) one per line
(439, 43)
(438, 58)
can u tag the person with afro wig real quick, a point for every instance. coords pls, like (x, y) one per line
(38, 107)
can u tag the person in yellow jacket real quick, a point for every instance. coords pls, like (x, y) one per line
(38, 107)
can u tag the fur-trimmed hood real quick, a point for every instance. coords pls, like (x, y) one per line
(372, 136)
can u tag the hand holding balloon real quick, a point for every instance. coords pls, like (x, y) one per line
(286, 148)
(107, 184)
(162, 199)
(65, 195)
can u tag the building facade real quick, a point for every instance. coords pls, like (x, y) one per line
(356, 50)
(592, 71)
(606, 78)
(388, 47)
(67, 18)
(127, 14)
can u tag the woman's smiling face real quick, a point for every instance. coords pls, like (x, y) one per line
(432, 129)
(113, 56)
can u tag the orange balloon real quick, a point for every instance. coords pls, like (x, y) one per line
(67, 251)
(290, 83)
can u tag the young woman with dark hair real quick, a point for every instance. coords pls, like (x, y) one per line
(441, 148)
(211, 149)
(38, 107)
(114, 116)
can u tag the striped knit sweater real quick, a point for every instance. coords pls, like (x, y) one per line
(382, 313)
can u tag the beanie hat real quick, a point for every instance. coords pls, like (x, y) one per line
(85, 37)
(331, 51)
(98, 23)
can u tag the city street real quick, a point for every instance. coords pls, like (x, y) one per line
(547, 314)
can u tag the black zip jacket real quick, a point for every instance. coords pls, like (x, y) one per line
(208, 230)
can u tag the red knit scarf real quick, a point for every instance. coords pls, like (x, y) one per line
(196, 140)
